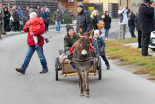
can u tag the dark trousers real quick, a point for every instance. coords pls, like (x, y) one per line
(139, 39)
(132, 31)
(145, 43)
(105, 60)
(46, 27)
(16, 26)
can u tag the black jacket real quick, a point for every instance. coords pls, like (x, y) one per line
(15, 15)
(107, 22)
(68, 42)
(146, 16)
(84, 20)
(94, 22)
(131, 21)
(137, 22)
(6, 17)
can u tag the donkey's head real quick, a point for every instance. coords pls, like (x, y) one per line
(84, 47)
(87, 34)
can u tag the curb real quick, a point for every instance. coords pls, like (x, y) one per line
(18, 33)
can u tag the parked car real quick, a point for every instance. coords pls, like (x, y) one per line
(66, 11)
(152, 41)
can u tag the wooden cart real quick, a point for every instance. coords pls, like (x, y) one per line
(68, 70)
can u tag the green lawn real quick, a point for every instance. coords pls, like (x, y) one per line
(129, 55)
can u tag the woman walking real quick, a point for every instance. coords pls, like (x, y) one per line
(47, 19)
(107, 22)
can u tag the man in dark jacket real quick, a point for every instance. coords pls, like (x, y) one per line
(83, 19)
(146, 14)
(15, 15)
(131, 24)
(137, 24)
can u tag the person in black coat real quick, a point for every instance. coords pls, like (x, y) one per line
(0, 25)
(47, 19)
(6, 19)
(15, 15)
(107, 24)
(137, 24)
(95, 20)
(146, 14)
(131, 24)
(83, 19)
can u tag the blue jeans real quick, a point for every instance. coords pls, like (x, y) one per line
(132, 30)
(106, 33)
(30, 52)
(58, 25)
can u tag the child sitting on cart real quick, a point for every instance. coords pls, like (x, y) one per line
(34, 24)
(99, 46)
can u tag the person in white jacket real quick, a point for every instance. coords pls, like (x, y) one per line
(123, 21)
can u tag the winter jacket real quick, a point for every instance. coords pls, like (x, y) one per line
(0, 19)
(47, 15)
(20, 14)
(94, 22)
(15, 15)
(137, 22)
(123, 16)
(84, 20)
(30, 40)
(131, 21)
(7, 17)
(146, 16)
(42, 14)
(107, 22)
(58, 16)
(99, 45)
(68, 42)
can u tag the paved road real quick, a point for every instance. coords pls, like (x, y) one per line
(116, 87)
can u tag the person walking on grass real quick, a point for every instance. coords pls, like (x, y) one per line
(131, 24)
(58, 17)
(123, 21)
(107, 22)
(31, 48)
(99, 46)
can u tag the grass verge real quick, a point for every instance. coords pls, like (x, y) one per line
(129, 55)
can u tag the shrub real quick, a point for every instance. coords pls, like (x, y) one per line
(67, 19)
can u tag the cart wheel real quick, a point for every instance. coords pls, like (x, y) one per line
(56, 74)
(100, 72)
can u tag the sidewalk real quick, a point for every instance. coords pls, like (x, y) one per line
(11, 33)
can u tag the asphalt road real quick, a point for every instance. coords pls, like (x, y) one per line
(116, 87)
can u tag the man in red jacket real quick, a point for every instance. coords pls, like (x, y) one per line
(31, 49)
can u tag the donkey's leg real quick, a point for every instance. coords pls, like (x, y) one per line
(87, 83)
(81, 83)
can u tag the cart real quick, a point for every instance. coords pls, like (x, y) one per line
(68, 70)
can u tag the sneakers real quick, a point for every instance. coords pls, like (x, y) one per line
(46, 39)
(36, 45)
(108, 67)
(20, 70)
(106, 38)
(43, 71)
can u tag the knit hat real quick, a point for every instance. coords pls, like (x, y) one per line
(68, 27)
(80, 5)
(33, 13)
(97, 32)
(148, 1)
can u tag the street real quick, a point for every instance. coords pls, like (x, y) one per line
(117, 86)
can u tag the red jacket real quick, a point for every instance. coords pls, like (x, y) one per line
(30, 40)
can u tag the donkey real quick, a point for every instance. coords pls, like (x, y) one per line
(82, 57)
